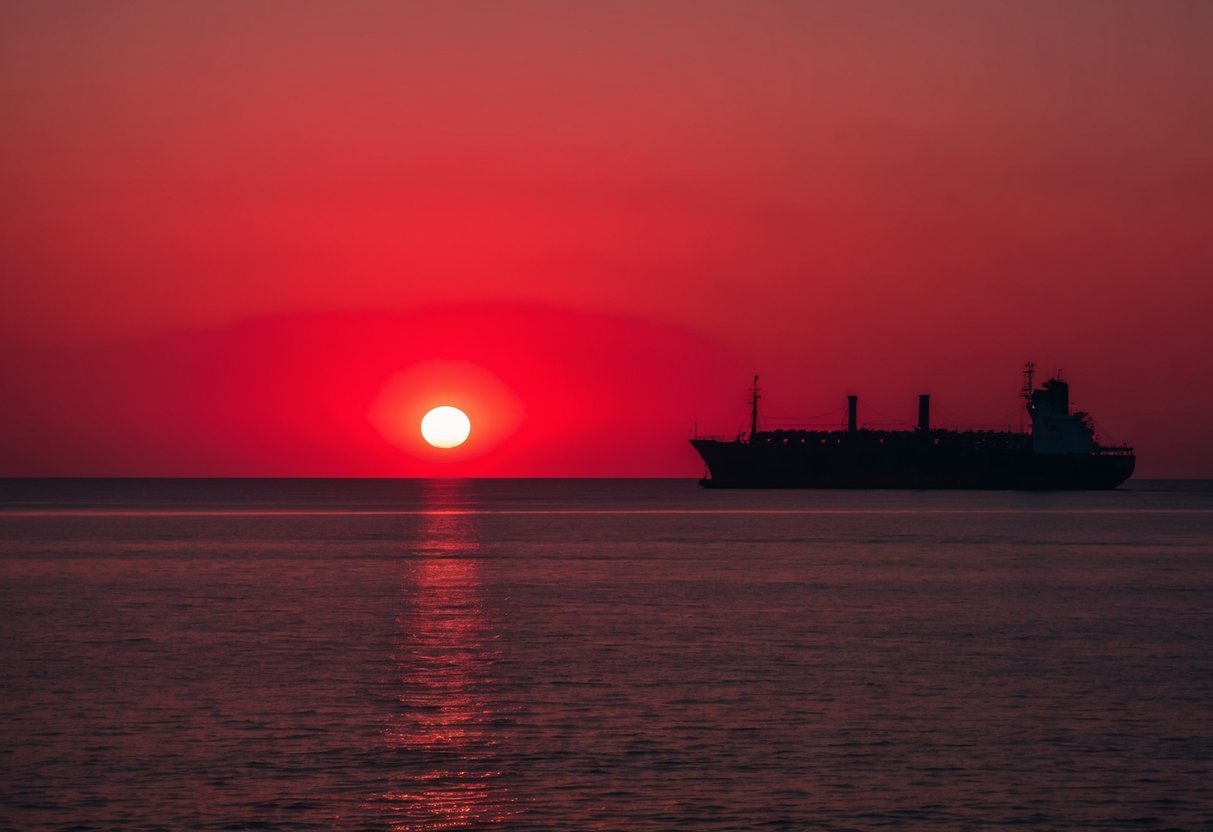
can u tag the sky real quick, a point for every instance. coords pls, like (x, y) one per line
(262, 239)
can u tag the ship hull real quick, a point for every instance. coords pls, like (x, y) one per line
(906, 461)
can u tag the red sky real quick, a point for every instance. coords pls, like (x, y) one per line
(239, 239)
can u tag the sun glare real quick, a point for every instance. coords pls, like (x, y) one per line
(445, 427)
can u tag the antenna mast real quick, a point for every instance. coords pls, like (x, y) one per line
(754, 397)
(1029, 370)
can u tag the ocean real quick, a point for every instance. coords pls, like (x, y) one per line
(602, 655)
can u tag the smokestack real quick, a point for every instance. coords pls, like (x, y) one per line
(852, 413)
(924, 412)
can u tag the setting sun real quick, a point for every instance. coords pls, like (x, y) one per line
(445, 427)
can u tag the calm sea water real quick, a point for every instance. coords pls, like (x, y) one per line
(602, 655)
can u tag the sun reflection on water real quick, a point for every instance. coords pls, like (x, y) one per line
(445, 676)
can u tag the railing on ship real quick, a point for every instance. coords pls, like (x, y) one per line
(870, 427)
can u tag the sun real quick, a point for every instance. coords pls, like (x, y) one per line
(445, 427)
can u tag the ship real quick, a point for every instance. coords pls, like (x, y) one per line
(1059, 452)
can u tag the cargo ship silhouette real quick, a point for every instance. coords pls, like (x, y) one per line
(1060, 452)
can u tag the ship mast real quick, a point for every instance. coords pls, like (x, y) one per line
(754, 397)
(1029, 370)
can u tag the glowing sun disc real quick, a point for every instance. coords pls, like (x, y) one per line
(445, 427)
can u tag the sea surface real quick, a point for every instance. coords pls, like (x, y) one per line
(602, 655)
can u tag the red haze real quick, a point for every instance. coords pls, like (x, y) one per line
(550, 392)
(226, 227)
